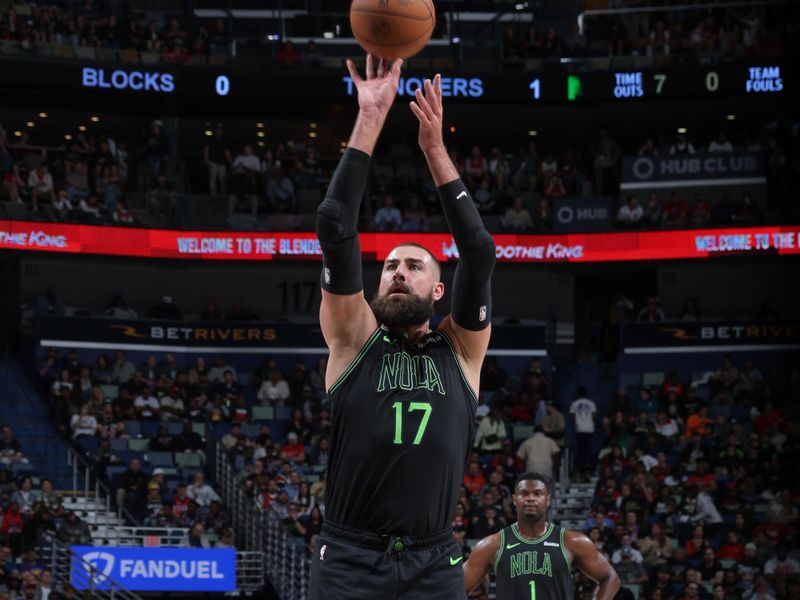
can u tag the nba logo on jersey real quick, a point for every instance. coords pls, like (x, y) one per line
(326, 274)
(323, 551)
(482, 313)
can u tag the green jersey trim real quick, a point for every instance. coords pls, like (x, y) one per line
(458, 364)
(499, 550)
(356, 361)
(538, 540)
(564, 552)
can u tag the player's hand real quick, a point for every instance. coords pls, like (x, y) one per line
(377, 92)
(427, 106)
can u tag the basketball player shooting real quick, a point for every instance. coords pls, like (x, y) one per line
(403, 397)
(533, 558)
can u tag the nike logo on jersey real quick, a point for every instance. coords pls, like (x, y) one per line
(553, 544)
(510, 546)
(461, 195)
(455, 561)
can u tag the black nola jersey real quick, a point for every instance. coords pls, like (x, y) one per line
(533, 569)
(403, 420)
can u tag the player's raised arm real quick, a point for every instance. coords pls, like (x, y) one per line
(480, 561)
(469, 321)
(587, 559)
(345, 316)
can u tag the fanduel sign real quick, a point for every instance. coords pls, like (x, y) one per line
(155, 569)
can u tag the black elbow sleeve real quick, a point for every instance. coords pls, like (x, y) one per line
(337, 222)
(472, 288)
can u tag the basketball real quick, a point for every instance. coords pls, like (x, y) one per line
(392, 29)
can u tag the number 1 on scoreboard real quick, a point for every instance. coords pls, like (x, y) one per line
(660, 79)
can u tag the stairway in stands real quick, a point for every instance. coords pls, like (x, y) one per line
(22, 409)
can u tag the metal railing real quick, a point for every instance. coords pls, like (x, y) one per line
(121, 535)
(85, 482)
(68, 568)
(286, 562)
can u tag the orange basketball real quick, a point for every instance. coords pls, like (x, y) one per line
(392, 29)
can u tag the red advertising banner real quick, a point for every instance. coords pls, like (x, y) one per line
(225, 245)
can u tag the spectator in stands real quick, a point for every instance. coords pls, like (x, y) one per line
(167, 310)
(475, 167)
(10, 448)
(123, 369)
(720, 144)
(651, 312)
(108, 184)
(388, 216)
(275, 390)
(631, 213)
(584, 413)
(681, 146)
(13, 183)
(225, 540)
(200, 491)
(700, 211)
(690, 312)
(659, 45)
(161, 196)
(288, 56)
(491, 432)
(311, 58)
(474, 479)
(309, 171)
(293, 450)
(83, 423)
(630, 571)
(652, 211)
(517, 218)
(74, 531)
(415, 218)
(119, 309)
(197, 537)
(11, 528)
(25, 496)
(543, 219)
(539, 452)
(698, 423)
(221, 371)
(280, 191)
(77, 181)
(132, 487)
(147, 406)
(40, 184)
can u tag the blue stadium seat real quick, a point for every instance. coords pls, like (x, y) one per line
(119, 445)
(278, 430)
(159, 459)
(200, 429)
(250, 430)
(88, 444)
(150, 428)
(283, 413)
(262, 413)
(175, 427)
(133, 428)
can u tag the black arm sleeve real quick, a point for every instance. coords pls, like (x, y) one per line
(472, 283)
(337, 224)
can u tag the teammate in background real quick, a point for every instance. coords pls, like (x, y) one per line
(533, 558)
(403, 397)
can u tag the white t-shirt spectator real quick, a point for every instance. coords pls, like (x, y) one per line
(668, 429)
(648, 461)
(628, 215)
(584, 411)
(281, 387)
(171, 403)
(204, 495)
(717, 146)
(143, 405)
(387, 218)
(775, 565)
(636, 556)
(40, 182)
(247, 162)
(83, 425)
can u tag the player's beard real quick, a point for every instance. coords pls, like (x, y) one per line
(402, 311)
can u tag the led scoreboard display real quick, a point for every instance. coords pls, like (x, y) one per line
(631, 84)
(552, 84)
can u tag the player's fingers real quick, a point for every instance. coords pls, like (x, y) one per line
(353, 71)
(371, 66)
(396, 66)
(423, 103)
(437, 86)
(419, 114)
(382, 68)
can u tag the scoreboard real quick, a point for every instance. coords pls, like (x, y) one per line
(554, 84)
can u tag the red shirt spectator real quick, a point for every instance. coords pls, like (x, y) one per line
(293, 450)
(675, 211)
(769, 417)
(180, 502)
(473, 479)
(12, 520)
(732, 549)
